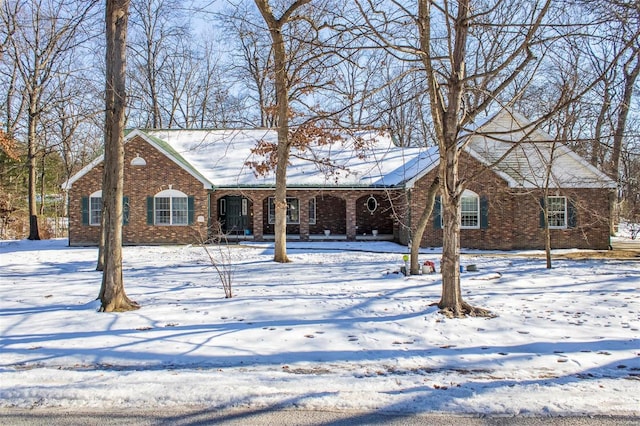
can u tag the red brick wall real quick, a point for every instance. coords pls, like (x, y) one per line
(336, 210)
(139, 183)
(514, 215)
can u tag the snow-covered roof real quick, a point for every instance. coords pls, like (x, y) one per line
(365, 159)
(221, 158)
(527, 165)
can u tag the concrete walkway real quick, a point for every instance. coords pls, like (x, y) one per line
(618, 243)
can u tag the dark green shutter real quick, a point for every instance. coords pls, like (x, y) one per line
(542, 213)
(125, 210)
(190, 209)
(572, 219)
(149, 210)
(437, 211)
(484, 213)
(85, 210)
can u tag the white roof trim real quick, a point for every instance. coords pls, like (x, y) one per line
(66, 186)
(205, 183)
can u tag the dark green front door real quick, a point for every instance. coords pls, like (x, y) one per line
(236, 220)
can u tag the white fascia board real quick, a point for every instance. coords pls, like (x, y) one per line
(66, 186)
(205, 183)
(412, 182)
(607, 182)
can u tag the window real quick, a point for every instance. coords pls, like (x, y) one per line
(293, 212)
(223, 207)
(372, 204)
(92, 209)
(312, 211)
(170, 207)
(474, 211)
(95, 208)
(557, 212)
(469, 211)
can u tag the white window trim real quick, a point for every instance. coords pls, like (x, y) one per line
(170, 194)
(95, 195)
(466, 194)
(313, 212)
(272, 216)
(471, 194)
(565, 213)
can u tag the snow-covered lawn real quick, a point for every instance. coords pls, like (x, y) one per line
(336, 328)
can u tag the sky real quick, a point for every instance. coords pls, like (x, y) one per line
(337, 328)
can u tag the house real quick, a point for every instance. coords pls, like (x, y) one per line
(180, 182)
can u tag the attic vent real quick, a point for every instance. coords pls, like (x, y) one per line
(138, 161)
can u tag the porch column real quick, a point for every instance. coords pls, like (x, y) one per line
(303, 205)
(351, 217)
(258, 225)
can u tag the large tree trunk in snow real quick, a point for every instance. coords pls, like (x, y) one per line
(282, 87)
(112, 295)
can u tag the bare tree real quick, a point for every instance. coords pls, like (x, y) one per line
(157, 27)
(283, 86)
(112, 294)
(45, 33)
(252, 62)
(470, 53)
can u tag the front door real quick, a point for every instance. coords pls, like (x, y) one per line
(236, 219)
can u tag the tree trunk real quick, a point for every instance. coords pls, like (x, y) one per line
(422, 225)
(282, 101)
(451, 300)
(34, 232)
(596, 150)
(282, 86)
(112, 295)
(103, 238)
(630, 76)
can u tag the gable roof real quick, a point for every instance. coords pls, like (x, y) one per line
(368, 159)
(497, 143)
(365, 159)
(523, 155)
(159, 144)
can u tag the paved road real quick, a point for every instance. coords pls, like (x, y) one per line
(271, 416)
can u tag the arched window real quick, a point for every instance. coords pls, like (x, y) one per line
(95, 208)
(171, 207)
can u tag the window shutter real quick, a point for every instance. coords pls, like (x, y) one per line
(484, 213)
(572, 217)
(190, 210)
(125, 210)
(542, 212)
(149, 210)
(437, 211)
(85, 210)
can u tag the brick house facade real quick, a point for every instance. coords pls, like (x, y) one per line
(513, 215)
(179, 184)
(141, 183)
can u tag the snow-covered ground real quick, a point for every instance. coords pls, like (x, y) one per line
(336, 328)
